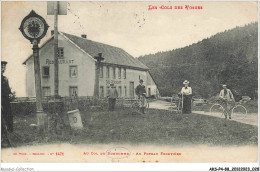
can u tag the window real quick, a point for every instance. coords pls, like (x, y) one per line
(46, 91)
(73, 91)
(101, 72)
(119, 73)
(114, 72)
(73, 71)
(101, 91)
(124, 73)
(120, 91)
(107, 71)
(46, 71)
(60, 52)
(125, 92)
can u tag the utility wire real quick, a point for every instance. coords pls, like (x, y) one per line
(77, 18)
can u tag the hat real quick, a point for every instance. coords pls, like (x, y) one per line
(224, 85)
(186, 82)
(3, 62)
(141, 80)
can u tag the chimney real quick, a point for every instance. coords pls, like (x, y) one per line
(52, 32)
(84, 36)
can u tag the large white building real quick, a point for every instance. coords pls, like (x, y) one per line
(77, 69)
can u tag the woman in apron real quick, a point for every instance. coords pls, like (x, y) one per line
(186, 93)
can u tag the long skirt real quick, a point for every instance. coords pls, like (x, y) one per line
(186, 104)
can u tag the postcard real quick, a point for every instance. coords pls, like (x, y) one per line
(125, 81)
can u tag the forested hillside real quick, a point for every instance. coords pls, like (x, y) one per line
(229, 57)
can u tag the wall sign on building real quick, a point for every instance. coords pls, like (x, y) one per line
(61, 61)
(108, 82)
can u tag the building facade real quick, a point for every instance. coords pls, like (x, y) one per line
(77, 69)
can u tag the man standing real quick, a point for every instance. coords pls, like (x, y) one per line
(140, 89)
(7, 117)
(141, 93)
(112, 94)
(227, 97)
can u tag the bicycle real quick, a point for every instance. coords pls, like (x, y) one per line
(176, 104)
(137, 106)
(238, 111)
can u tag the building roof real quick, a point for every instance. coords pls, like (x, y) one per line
(112, 55)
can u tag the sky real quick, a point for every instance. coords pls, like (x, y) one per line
(128, 25)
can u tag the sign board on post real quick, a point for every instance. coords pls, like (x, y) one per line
(34, 28)
(75, 120)
(62, 8)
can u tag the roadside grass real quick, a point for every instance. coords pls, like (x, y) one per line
(157, 127)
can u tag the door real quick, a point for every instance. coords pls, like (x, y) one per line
(131, 89)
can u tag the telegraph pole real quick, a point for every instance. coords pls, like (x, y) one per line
(56, 8)
(56, 58)
(99, 58)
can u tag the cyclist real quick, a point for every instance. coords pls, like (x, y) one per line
(141, 93)
(227, 100)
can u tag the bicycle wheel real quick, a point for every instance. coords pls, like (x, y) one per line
(239, 112)
(217, 110)
(146, 107)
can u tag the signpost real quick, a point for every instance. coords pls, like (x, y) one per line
(99, 58)
(34, 28)
(62, 7)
